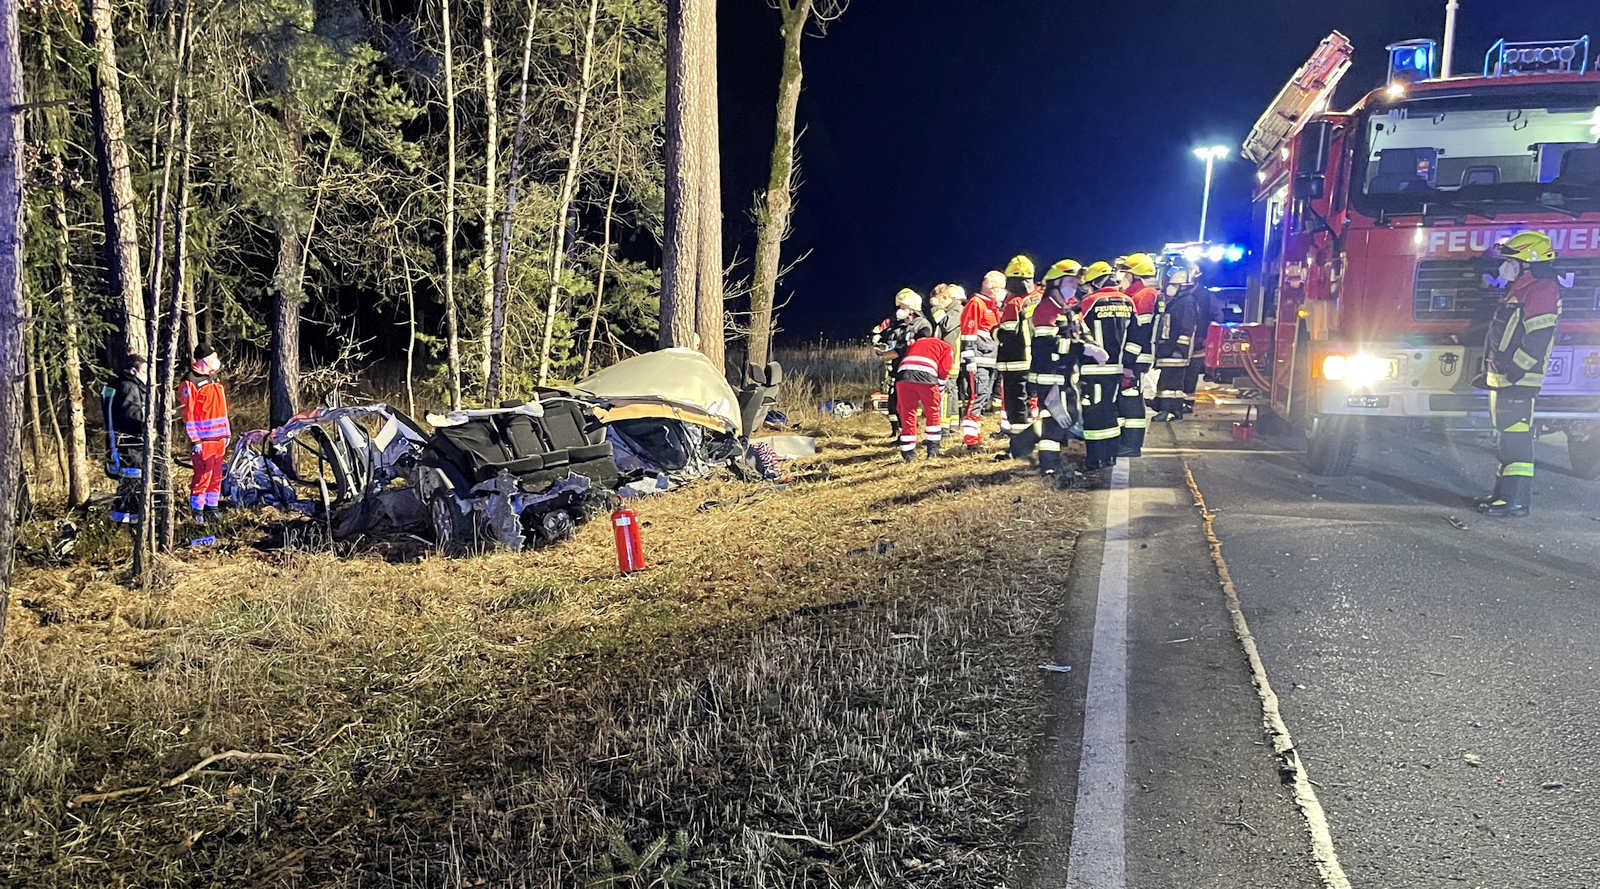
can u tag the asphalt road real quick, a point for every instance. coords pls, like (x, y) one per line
(1438, 680)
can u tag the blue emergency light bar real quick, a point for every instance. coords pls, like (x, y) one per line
(1539, 57)
(1411, 61)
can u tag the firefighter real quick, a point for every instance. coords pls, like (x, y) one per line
(978, 348)
(1058, 347)
(1107, 314)
(920, 381)
(1175, 334)
(945, 315)
(122, 405)
(205, 420)
(1133, 274)
(1013, 335)
(891, 338)
(1517, 351)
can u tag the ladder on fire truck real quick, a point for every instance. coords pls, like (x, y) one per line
(1305, 95)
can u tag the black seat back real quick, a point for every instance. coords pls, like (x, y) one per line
(1580, 166)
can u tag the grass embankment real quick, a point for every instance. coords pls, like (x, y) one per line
(781, 700)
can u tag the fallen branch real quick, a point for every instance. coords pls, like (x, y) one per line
(186, 775)
(824, 844)
(200, 768)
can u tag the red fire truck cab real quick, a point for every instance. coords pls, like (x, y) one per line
(1377, 275)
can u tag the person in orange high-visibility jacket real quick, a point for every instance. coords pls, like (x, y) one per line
(920, 379)
(205, 420)
(978, 349)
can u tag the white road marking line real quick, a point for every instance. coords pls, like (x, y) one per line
(1305, 794)
(1097, 859)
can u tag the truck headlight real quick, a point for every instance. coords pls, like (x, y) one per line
(1359, 369)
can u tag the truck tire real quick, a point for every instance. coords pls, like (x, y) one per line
(1332, 444)
(1583, 452)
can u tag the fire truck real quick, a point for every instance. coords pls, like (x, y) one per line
(1375, 278)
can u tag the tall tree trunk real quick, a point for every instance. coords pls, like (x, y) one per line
(411, 331)
(288, 295)
(709, 319)
(54, 415)
(13, 308)
(452, 336)
(502, 269)
(773, 212)
(30, 391)
(288, 290)
(569, 186)
(605, 257)
(679, 253)
(78, 452)
(123, 277)
(491, 151)
(161, 441)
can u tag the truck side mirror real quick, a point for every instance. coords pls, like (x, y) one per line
(1308, 186)
(1316, 144)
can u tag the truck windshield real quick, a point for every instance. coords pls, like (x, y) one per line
(1499, 149)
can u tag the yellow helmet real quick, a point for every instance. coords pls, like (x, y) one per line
(1064, 268)
(1528, 247)
(908, 299)
(1138, 264)
(1096, 271)
(1020, 267)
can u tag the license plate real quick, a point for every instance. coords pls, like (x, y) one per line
(1364, 401)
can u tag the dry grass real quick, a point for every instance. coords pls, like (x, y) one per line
(537, 720)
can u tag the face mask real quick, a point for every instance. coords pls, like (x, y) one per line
(902, 314)
(1172, 290)
(1124, 280)
(1509, 270)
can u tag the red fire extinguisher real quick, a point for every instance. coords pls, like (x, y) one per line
(630, 545)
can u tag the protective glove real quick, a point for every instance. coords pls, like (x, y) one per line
(194, 447)
(1098, 354)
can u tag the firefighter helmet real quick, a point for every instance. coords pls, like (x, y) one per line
(1064, 268)
(1528, 247)
(1179, 276)
(908, 299)
(1096, 271)
(1019, 267)
(1140, 265)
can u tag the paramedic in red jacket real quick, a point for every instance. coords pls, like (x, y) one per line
(205, 419)
(920, 379)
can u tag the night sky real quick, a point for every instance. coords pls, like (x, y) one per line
(944, 136)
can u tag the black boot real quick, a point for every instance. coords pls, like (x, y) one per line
(933, 450)
(1484, 502)
(908, 456)
(1516, 492)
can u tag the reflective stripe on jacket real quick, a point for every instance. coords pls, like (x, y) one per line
(205, 409)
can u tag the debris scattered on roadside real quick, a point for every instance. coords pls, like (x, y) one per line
(1176, 641)
(1056, 668)
(880, 548)
(1551, 785)
(1473, 759)
(841, 409)
(1456, 523)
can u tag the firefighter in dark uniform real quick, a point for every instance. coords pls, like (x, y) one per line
(1133, 274)
(1058, 347)
(1013, 335)
(1177, 329)
(1107, 314)
(1517, 352)
(122, 406)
